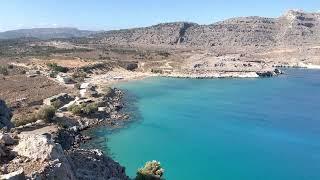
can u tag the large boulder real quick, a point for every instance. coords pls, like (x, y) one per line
(132, 66)
(5, 115)
(87, 93)
(129, 65)
(38, 147)
(42, 149)
(266, 73)
(7, 139)
(88, 90)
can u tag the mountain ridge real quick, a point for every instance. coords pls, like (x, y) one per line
(46, 33)
(293, 28)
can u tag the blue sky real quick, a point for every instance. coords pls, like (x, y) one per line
(117, 14)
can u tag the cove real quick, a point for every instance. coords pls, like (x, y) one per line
(226, 129)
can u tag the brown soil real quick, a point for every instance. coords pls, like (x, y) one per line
(24, 93)
(69, 63)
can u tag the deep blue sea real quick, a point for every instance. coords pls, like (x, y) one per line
(222, 129)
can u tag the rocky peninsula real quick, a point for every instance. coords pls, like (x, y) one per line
(49, 147)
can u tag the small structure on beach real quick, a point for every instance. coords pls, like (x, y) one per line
(118, 78)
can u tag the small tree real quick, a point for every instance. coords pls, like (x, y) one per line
(152, 170)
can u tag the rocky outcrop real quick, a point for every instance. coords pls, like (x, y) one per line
(270, 73)
(58, 100)
(5, 115)
(41, 149)
(87, 90)
(52, 152)
(37, 156)
(93, 164)
(38, 148)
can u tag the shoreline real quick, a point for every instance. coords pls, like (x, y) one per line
(124, 76)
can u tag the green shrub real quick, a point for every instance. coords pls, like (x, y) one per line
(25, 119)
(55, 67)
(75, 109)
(46, 113)
(56, 104)
(85, 109)
(90, 108)
(10, 66)
(152, 170)
(4, 70)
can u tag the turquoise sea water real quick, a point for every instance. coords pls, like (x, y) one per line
(222, 129)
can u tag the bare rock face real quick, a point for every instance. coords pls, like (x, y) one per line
(92, 164)
(5, 115)
(38, 147)
(45, 159)
(41, 149)
(293, 28)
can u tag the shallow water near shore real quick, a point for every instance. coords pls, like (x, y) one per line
(227, 129)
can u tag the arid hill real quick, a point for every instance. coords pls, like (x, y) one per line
(294, 28)
(45, 33)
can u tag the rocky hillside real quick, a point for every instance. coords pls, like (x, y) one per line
(45, 33)
(294, 28)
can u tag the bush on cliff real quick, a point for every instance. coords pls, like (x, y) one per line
(152, 170)
(46, 113)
